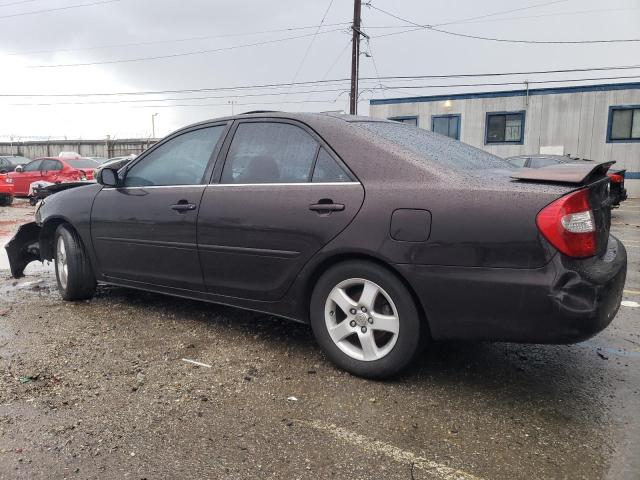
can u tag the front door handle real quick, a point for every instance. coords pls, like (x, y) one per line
(183, 206)
(326, 207)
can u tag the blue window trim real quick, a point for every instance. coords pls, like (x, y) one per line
(449, 115)
(523, 113)
(612, 109)
(406, 117)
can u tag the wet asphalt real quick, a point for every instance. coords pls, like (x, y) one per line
(105, 389)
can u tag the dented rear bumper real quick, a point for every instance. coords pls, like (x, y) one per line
(565, 301)
(23, 248)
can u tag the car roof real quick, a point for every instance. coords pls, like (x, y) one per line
(305, 117)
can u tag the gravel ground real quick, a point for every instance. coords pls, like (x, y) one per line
(99, 389)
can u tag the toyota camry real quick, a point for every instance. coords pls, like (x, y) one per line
(382, 236)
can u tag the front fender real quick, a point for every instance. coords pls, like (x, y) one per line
(23, 248)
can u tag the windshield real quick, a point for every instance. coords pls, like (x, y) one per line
(435, 147)
(81, 162)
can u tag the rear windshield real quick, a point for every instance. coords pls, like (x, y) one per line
(436, 147)
(81, 162)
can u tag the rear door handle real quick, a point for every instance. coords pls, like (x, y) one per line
(326, 207)
(183, 206)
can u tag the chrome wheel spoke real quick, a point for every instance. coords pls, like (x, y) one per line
(386, 323)
(369, 294)
(342, 300)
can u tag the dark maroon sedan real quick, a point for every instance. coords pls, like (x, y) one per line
(381, 235)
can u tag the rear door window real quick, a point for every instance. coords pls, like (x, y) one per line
(180, 161)
(50, 165)
(327, 170)
(269, 152)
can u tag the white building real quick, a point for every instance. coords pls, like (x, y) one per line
(598, 122)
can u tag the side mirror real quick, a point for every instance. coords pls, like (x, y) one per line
(19, 169)
(108, 177)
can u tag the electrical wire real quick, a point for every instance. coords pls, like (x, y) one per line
(376, 87)
(177, 40)
(503, 12)
(495, 39)
(313, 39)
(320, 82)
(183, 54)
(68, 7)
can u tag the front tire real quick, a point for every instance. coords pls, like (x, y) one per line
(365, 319)
(74, 274)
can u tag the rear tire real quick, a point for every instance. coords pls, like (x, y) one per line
(74, 274)
(6, 200)
(365, 319)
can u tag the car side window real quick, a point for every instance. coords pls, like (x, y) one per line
(33, 166)
(327, 170)
(269, 152)
(517, 161)
(542, 162)
(181, 161)
(50, 165)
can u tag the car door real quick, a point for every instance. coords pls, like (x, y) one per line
(145, 230)
(50, 170)
(21, 180)
(280, 195)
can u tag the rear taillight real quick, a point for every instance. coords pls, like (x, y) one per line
(615, 178)
(568, 224)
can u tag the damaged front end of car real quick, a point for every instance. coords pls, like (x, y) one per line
(24, 248)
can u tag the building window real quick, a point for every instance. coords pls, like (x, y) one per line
(448, 125)
(408, 120)
(505, 127)
(624, 124)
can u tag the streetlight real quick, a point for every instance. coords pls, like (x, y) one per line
(153, 125)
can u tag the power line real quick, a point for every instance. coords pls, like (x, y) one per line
(373, 59)
(503, 12)
(379, 86)
(557, 14)
(17, 3)
(313, 39)
(494, 39)
(323, 81)
(187, 39)
(184, 54)
(68, 7)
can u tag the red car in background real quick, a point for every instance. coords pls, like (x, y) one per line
(6, 191)
(54, 170)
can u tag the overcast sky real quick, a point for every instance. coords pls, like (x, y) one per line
(37, 49)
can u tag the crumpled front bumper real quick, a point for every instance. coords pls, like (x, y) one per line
(23, 248)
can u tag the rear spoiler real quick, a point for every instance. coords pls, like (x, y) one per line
(573, 173)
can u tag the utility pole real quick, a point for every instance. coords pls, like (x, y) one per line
(232, 103)
(355, 57)
(153, 125)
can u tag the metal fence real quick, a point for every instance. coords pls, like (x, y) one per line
(88, 148)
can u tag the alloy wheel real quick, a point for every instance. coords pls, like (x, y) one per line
(61, 262)
(362, 319)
